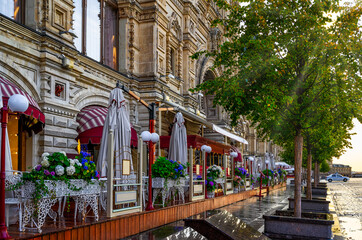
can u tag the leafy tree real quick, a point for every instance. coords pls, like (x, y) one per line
(281, 63)
(324, 166)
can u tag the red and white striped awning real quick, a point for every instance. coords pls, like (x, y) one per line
(8, 89)
(91, 121)
(91, 117)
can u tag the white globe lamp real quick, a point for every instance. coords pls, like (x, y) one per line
(155, 137)
(146, 136)
(208, 150)
(203, 148)
(18, 103)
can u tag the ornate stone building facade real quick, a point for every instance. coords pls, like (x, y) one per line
(69, 54)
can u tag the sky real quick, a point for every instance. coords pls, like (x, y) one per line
(353, 156)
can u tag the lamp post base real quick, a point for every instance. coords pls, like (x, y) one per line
(4, 233)
(150, 207)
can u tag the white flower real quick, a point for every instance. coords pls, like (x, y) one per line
(45, 154)
(45, 162)
(79, 164)
(59, 170)
(70, 170)
(63, 153)
(72, 162)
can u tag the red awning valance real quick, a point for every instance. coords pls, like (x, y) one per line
(91, 120)
(8, 89)
(195, 141)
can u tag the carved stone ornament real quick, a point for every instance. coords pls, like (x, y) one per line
(175, 26)
(215, 37)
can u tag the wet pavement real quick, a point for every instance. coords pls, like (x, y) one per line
(249, 211)
(347, 201)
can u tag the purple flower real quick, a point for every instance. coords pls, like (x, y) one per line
(46, 172)
(38, 168)
(85, 167)
(52, 173)
(205, 181)
(211, 183)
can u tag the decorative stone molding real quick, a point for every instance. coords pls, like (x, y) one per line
(215, 37)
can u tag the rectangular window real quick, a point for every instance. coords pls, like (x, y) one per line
(110, 36)
(96, 26)
(78, 23)
(173, 61)
(13, 9)
(93, 30)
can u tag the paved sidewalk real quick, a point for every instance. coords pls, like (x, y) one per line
(347, 201)
(251, 212)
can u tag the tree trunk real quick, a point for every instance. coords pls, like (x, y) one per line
(315, 173)
(309, 175)
(318, 172)
(298, 151)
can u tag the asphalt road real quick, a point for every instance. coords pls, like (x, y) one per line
(347, 200)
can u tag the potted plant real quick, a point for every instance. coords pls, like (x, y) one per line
(56, 172)
(166, 171)
(241, 172)
(237, 182)
(210, 187)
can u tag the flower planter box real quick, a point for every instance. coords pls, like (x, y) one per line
(322, 191)
(210, 194)
(282, 225)
(314, 205)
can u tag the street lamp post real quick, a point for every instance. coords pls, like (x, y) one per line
(267, 174)
(204, 149)
(251, 171)
(16, 103)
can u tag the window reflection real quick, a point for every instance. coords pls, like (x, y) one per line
(93, 32)
(77, 24)
(110, 37)
(11, 9)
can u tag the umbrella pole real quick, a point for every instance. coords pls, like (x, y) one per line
(4, 121)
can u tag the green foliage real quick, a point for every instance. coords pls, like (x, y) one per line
(324, 167)
(213, 172)
(58, 167)
(210, 184)
(168, 169)
(288, 67)
(238, 181)
(241, 172)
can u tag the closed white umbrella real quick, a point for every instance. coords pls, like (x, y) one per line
(178, 140)
(8, 162)
(117, 118)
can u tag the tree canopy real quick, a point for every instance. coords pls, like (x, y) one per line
(287, 65)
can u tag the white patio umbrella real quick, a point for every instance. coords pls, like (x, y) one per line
(8, 162)
(117, 118)
(178, 140)
(282, 164)
(13, 209)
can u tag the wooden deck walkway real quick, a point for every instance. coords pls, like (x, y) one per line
(119, 227)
